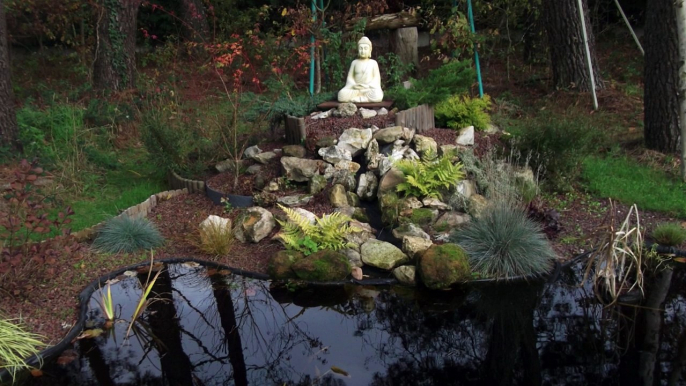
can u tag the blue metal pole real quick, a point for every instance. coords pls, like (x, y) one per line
(476, 52)
(314, 17)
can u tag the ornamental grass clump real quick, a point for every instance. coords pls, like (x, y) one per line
(215, 238)
(126, 234)
(503, 243)
(669, 234)
(16, 345)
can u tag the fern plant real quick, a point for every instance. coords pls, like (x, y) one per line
(327, 232)
(425, 178)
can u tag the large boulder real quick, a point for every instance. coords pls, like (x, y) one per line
(316, 184)
(390, 180)
(415, 246)
(300, 169)
(465, 136)
(355, 140)
(425, 146)
(392, 134)
(324, 265)
(334, 154)
(338, 196)
(251, 151)
(476, 205)
(345, 110)
(256, 224)
(441, 266)
(451, 220)
(220, 224)
(405, 274)
(279, 266)
(367, 186)
(382, 255)
(297, 151)
(410, 229)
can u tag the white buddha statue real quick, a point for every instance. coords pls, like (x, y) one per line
(364, 81)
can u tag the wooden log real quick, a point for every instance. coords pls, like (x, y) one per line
(404, 43)
(387, 21)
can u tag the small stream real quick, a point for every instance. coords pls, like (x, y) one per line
(208, 328)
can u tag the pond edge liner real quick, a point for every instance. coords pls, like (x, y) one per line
(85, 295)
(237, 201)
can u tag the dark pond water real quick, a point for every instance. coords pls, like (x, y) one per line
(212, 329)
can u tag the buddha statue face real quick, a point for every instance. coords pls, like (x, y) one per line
(364, 48)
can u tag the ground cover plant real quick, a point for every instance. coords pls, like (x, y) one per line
(110, 150)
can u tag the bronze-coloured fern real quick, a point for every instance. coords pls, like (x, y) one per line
(327, 232)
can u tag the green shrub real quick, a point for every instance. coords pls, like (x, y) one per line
(424, 178)
(126, 234)
(452, 78)
(458, 111)
(328, 232)
(560, 145)
(503, 243)
(670, 234)
(16, 344)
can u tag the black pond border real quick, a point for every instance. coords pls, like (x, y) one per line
(236, 201)
(87, 292)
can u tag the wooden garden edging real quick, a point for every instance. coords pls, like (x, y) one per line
(136, 211)
(177, 182)
(420, 118)
(296, 132)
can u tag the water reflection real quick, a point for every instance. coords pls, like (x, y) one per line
(210, 329)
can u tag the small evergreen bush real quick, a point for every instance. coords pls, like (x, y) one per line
(458, 111)
(126, 234)
(560, 145)
(503, 243)
(669, 234)
(452, 78)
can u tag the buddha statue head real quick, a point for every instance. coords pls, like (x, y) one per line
(364, 48)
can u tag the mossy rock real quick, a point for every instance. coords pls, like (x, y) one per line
(389, 203)
(280, 265)
(360, 214)
(441, 266)
(325, 265)
(423, 216)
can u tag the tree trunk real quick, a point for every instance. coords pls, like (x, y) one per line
(404, 42)
(8, 120)
(680, 12)
(567, 51)
(195, 21)
(115, 52)
(661, 100)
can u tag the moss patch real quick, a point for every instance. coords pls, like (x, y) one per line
(422, 216)
(279, 266)
(325, 265)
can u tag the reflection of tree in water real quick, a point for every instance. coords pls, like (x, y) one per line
(488, 339)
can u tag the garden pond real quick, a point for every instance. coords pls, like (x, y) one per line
(211, 327)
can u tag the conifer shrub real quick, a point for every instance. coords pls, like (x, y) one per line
(461, 111)
(669, 234)
(126, 234)
(452, 78)
(504, 243)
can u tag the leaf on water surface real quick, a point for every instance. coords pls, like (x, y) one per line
(191, 264)
(113, 281)
(130, 273)
(67, 357)
(680, 259)
(249, 292)
(36, 373)
(340, 371)
(88, 334)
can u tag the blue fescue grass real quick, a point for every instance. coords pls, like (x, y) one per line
(503, 243)
(125, 234)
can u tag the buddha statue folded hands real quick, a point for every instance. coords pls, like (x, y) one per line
(363, 83)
